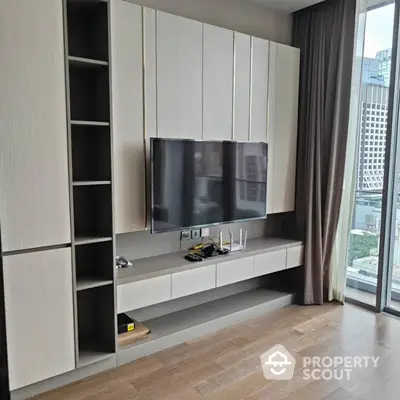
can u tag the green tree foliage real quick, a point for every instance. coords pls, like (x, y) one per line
(361, 245)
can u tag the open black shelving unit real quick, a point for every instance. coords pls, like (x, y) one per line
(90, 148)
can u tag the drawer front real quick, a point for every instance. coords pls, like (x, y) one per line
(235, 271)
(268, 263)
(132, 296)
(193, 281)
(295, 257)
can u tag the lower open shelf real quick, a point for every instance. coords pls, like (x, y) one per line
(188, 324)
(90, 357)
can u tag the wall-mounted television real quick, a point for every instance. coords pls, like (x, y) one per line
(203, 183)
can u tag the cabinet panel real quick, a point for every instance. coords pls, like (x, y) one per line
(241, 103)
(284, 96)
(295, 257)
(132, 296)
(269, 263)
(34, 201)
(217, 83)
(129, 150)
(179, 76)
(259, 89)
(235, 271)
(193, 281)
(39, 315)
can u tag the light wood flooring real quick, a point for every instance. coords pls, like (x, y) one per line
(226, 365)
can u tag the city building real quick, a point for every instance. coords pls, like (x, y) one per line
(372, 72)
(385, 58)
(373, 125)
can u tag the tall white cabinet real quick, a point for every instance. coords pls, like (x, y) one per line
(179, 74)
(127, 99)
(34, 187)
(33, 138)
(200, 82)
(39, 315)
(217, 83)
(282, 126)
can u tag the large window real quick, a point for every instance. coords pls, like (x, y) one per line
(372, 128)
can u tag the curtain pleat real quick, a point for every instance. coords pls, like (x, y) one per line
(325, 35)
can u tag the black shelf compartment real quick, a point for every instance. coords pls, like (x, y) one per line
(96, 326)
(93, 212)
(88, 29)
(91, 153)
(94, 264)
(89, 93)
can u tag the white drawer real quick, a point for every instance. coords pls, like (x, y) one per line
(235, 271)
(268, 263)
(193, 281)
(295, 256)
(132, 296)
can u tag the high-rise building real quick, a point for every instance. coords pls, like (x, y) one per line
(371, 72)
(385, 58)
(373, 125)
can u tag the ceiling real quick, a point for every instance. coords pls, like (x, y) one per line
(287, 6)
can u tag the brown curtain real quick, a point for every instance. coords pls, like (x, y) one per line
(325, 35)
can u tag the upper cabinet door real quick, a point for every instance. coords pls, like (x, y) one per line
(217, 83)
(283, 110)
(127, 106)
(241, 102)
(34, 200)
(259, 89)
(39, 315)
(179, 76)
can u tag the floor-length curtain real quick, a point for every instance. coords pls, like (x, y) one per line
(325, 35)
(340, 254)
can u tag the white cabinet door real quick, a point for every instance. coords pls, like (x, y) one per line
(193, 281)
(179, 76)
(235, 271)
(295, 257)
(259, 89)
(34, 201)
(132, 296)
(241, 102)
(269, 263)
(127, 98)
(217, 83)
(283, 106)
(39, 315)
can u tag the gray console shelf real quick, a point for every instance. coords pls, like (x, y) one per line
(191, 323)
(152, 267)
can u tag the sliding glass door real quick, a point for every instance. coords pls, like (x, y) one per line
(364, 276)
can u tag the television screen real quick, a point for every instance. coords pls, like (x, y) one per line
(202, 183)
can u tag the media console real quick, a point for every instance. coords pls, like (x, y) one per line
(156, 280)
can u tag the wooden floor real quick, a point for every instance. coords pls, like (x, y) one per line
(226, 365)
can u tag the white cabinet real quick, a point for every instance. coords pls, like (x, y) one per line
(235, 271)
(39, 315)
(269, 263)
(193, 281)
(295, 257)
(179, 76)
(259, 89)
(282, 126)
(217, 83)
(34, 201)
(132, 296)
(241, 87)
(127, 107)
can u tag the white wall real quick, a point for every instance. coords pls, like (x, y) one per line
(240, 15)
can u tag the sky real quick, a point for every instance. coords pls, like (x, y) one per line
(379, 30)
